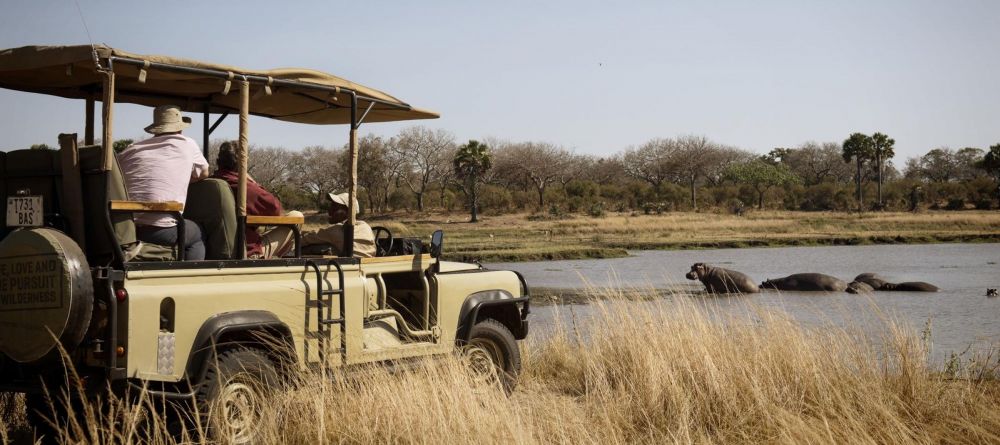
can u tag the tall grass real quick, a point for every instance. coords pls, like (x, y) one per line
(666, 371)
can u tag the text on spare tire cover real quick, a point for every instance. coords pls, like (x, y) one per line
(30, 282)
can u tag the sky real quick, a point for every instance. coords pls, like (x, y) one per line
(593, 76)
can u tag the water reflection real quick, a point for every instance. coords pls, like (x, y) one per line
(956, 317)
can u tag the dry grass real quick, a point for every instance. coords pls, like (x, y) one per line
(524, 237)
(666, 371)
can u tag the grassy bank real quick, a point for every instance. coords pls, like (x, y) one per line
(666, 371)
(527, 237)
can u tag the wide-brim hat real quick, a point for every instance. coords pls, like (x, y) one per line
(342, 199)
(167, 119)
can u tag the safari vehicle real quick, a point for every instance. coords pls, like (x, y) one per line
(75, 284)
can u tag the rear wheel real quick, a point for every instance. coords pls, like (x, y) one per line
(234, 394)
(492, 353)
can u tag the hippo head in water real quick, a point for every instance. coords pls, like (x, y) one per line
(698, 270)
(872, 279)
(721, 281)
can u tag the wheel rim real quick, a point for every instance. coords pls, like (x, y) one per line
(240, 405)
(485, 361)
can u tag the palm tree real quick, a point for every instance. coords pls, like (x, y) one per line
(471, 162)
(882, 146)
(859, 148)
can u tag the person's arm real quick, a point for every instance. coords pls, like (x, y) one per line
(332, 235)
(262, 202)
(199, 165)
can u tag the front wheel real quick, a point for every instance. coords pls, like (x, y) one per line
(234, 394)
(492, 353)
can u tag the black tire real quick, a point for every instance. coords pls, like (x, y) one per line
(495, 340)
(234, 394)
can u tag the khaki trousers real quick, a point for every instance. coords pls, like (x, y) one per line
(279, 240)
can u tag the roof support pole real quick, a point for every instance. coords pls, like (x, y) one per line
(205, 132)
(352, 190)
(107, 119)
(241, 159)
(88, 132)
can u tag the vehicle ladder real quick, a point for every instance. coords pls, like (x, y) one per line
(323, 304)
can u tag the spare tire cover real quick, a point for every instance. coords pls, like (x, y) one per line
(46, 294)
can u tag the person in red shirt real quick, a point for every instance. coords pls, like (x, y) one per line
(272, 243)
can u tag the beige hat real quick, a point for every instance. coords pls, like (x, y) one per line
(168, 119)
(342, 200)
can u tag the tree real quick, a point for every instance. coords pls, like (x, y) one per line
(318, 171)
(882, 148)
(654, 162)
(761, 175)
(375, 172)
(695, 158)
(41, 147)
(471, 163)
(858, 147)
(269, 166)
(540, 164)
(967, 160)
(991, 163)
(121, 144)
(425, 154)
(939, 165)
(815, 163)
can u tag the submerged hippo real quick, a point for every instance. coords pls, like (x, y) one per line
(722, 281)
(911, 286)
(872, 279)
(859, 287)
(809, 282)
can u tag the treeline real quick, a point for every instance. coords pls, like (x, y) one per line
(422, 169)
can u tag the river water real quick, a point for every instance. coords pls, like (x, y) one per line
(958, 317)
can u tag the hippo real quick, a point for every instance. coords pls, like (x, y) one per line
(872, 279)
(859, 287)
(722, 281)
(814, 282)
(911, 286)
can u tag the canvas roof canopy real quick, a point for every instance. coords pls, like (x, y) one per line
(296, 94)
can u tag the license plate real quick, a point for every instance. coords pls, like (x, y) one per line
(24, 211)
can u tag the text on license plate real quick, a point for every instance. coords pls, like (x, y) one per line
(24, 211)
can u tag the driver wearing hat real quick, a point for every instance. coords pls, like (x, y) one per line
(333, 235)
(159, 169)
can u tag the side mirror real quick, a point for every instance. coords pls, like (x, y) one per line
(437, 239)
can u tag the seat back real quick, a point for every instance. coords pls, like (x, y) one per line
(95, 205)
(3, 199)
(36, 172)
(210, 203)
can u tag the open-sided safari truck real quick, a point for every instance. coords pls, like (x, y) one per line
(73, 285)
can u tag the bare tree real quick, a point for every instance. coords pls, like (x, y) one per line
(654, 162)
(318, 170)
(695, 159)
(603, 171)
(540, 164)
(426, 156)
(815, 163)
(270, 166)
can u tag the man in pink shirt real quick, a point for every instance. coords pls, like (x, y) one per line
(159, 169)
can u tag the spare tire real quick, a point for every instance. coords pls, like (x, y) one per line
(46, 294)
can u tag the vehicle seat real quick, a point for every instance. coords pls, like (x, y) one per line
(39, 172)
(95, 205)
(210, 203)
(3, 199)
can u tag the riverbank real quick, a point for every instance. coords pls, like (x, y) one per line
(525, 237)
(666, 372)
